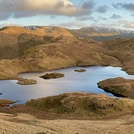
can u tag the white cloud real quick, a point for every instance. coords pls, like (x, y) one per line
(117, 24)
(115, 16)
(129, 25)
(74, 24)
(83, 18)
(28, 8)
(9, 24)
(127, 6)
(102, 9)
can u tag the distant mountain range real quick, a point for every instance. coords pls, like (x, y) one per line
(95, 33)
(102, 33)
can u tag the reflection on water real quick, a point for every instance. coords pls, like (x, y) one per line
(73, 81)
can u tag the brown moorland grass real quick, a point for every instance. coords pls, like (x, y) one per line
(27, 124)
(43, 53)
(5, 103)
(76, 105)
(39, 31)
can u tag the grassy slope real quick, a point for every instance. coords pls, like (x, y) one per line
(27, 124)
(8, 46)
(40, 31)
(41, 53)
(123, 50)
(66, 51)
(83, 105)
(76, 105)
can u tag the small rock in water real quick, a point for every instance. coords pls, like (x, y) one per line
(26, 81)
(52, 75)
(80, 70)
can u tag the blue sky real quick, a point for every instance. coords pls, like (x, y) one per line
(68, 13)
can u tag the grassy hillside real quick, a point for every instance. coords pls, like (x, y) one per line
(77, 105)
(34, 52)
(102, 33)
(36, 30)
(8, 46)
(123, 50)
(14, 40)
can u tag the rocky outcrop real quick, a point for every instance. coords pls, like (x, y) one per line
(52, 75)
(118, 86)
(80, 70)
(26, 81)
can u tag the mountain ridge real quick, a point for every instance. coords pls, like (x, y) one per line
(36, 30)
(102, 33)
(22, 51)
(55, 31)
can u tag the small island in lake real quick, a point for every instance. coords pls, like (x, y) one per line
(118, 86)
(26, 81)
(80, 70)
(52, 75)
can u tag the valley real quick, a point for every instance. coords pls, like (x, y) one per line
(28, 50)
(42, 49)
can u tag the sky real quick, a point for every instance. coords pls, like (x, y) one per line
(72, 14)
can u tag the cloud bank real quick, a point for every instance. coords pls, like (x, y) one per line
(102, 9)
(29, 8)
(127, 6)
(73, 24)
(115, 16)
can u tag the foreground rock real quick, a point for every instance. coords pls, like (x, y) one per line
(80, 105)
(52, 75)
(118, 86)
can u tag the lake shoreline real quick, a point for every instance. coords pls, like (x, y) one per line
(71, 74)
